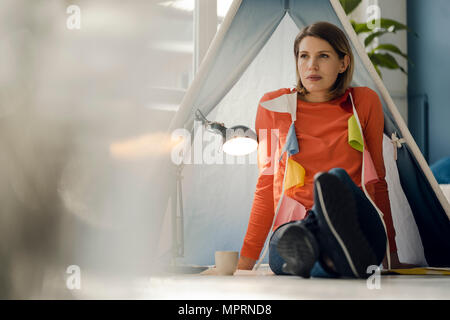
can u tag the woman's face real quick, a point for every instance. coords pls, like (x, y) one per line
(319, 65)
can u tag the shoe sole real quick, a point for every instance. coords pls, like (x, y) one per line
(299, 249)
(345, 231)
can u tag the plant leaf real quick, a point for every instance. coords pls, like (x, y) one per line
(372, 36)
(360, 27)
(349, 5)
(390, 47)
(375, 63)
(395, 49)
(391, 25)
(386, 60)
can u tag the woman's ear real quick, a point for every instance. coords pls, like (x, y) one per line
(344, 63)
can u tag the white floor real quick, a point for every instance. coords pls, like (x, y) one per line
(265, 285)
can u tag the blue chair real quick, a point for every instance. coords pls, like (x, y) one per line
(441, 170)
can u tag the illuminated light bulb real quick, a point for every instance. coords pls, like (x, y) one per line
(240, 146)
(239, 141)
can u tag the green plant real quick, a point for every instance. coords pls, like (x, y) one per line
(380, 56)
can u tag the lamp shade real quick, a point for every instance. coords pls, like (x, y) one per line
(239, 141)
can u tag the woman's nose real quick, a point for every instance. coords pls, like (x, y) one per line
(313, 64)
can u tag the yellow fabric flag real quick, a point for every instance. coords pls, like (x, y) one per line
(419, 271)
(355, 139)
(295, 174)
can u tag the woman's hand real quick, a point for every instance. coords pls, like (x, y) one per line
(396, 264)
(245, 263)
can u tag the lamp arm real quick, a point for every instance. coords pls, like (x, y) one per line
(217, 127)
(200, 117)
(212, 126)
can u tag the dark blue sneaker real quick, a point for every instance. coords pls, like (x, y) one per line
(370, 221)
(298, 247)
(340, 236)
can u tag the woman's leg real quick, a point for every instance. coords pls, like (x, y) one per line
(369, 219)
(340, 235)
(347, 228)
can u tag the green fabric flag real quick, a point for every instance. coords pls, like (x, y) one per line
(355, 139)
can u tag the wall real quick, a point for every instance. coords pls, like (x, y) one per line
(429, 53)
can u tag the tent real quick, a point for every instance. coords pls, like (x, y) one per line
(252, 53)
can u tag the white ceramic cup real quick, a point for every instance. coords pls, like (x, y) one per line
(226, 262)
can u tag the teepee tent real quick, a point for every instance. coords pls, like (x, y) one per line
(252, 54)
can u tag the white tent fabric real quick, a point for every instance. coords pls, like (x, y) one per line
(217, 213)
(253, 54)
(408, 240)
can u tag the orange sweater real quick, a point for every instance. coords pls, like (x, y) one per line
(321, 130)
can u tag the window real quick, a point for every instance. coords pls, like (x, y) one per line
(184, 34)
(222, 8)
(171, 47)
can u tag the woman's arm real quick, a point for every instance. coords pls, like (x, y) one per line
(261, 218)
(262, 212)
(246, 263)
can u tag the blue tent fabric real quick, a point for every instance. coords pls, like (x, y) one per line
(431, 219)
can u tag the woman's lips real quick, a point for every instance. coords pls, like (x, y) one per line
(314, 78)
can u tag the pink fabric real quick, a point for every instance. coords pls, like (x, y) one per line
(290, 210)
(370, 174)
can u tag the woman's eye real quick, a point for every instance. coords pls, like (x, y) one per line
(323, 55)
(303, 56)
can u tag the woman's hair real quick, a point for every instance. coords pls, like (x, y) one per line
(337, 39)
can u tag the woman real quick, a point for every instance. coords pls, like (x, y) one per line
(332, 228)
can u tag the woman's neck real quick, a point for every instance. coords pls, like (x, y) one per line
(318, 97)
